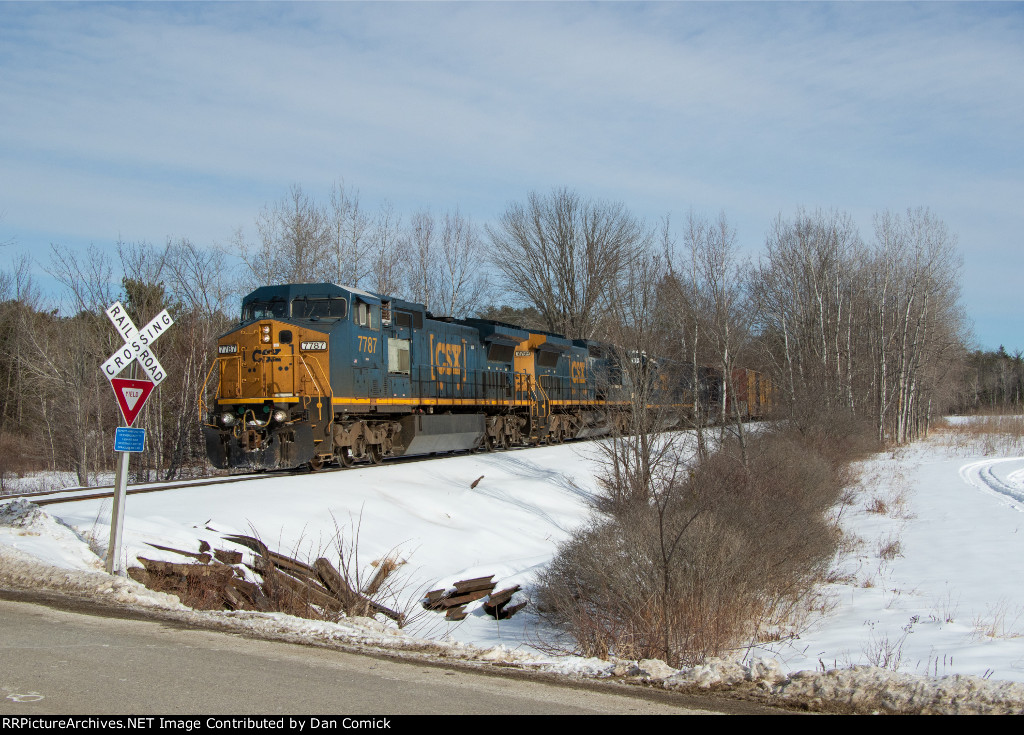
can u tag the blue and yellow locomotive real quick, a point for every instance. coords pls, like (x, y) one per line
(318, 373)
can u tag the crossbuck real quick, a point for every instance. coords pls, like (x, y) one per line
(137, 344)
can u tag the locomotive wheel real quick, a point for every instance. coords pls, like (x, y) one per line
(375, 453)
(345, 457)
(317, 463)
(489, 443)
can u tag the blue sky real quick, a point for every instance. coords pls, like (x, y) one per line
(154, 120)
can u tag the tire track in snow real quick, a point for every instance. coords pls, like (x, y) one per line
(981, 474)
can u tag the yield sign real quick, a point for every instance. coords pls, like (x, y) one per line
(131, 396)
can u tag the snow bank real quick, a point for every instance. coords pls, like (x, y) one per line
(945, 601)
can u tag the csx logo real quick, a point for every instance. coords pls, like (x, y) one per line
(267, 355)
(579, 372)
(448, 359)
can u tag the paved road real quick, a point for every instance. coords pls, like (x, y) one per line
(56, 661)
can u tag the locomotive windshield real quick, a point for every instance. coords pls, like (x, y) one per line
(319, 308)
(265, 309)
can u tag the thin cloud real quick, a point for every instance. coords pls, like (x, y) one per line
(187, 118)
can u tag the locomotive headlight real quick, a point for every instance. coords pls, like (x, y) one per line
(227, 419)
(266, 333)
(279, 416)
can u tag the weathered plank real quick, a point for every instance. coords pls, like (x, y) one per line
(449, 602)
(279, 560)
(456, 613)
(384, 570)
(472, 585)
(497, 604)
(432, 600)
(333, 581)
(353, 603)
(252, 593)
(306, 592)
(186, 570)
(227, 557)
(202, 558)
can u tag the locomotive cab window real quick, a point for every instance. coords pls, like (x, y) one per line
(265, 309)
(319, 308)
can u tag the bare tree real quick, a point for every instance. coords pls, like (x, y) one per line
(74, 403)
(420, 247)
(714, 287)
(295, 242)
(807, 287)
(871, 332)
(564, 254)
(446, 270)
(19, 303)
(388, 260)
(197, 279)
(917, 317)
(350, 229)
(463, 280)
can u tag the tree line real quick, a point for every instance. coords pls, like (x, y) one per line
(870, 325)
(993, 381)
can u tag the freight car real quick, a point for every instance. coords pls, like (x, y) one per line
(318, 373)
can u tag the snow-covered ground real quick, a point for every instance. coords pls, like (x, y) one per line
(928, 583)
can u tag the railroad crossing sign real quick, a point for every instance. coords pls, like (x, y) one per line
(137, 344)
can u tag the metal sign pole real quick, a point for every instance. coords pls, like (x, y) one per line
(117, 514)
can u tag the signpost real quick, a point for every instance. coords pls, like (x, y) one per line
(131, 395)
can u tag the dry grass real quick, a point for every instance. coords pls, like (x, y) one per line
(946, 609)
(1000, 621)
(885, 652)
(985, 434)
(889, 548)
(877, 505)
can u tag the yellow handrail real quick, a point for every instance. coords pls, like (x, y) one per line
(202, 391)
(316, 383)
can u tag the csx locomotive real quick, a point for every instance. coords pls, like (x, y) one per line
(319, 373)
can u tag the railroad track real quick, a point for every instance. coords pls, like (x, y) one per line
(107, 491)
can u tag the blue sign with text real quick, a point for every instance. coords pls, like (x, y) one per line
(127, 439)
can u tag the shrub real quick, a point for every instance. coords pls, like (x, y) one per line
(714, 555)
